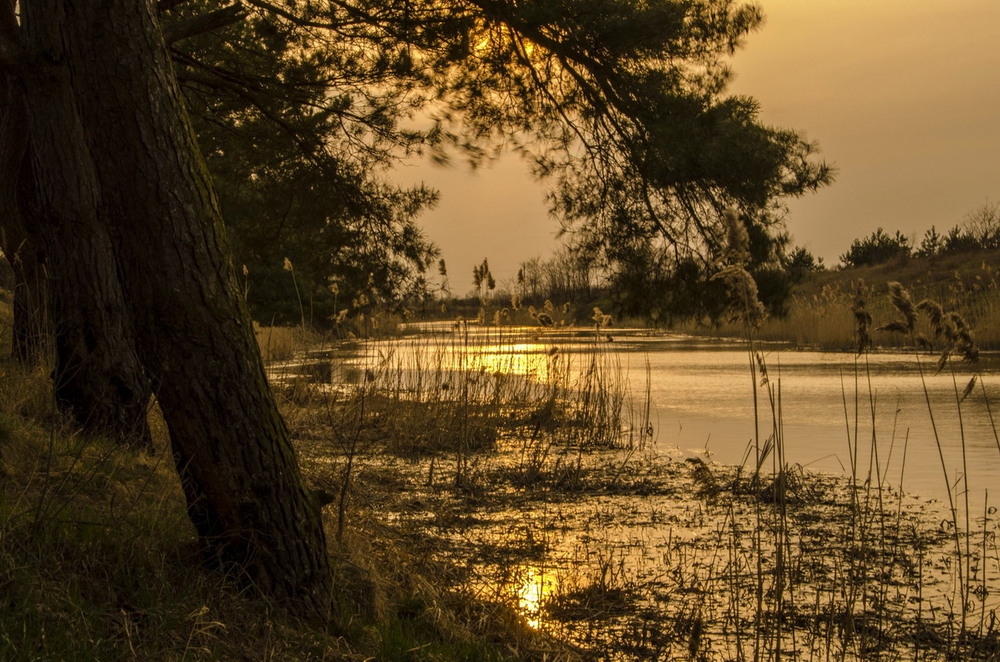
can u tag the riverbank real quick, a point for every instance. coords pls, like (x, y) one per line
(501, 504)
(539, 498)
(98, 561)
(629, 554)
(820, 308)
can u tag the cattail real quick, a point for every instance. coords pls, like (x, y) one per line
(935, 314)
(862, 318)
(600, 319)
(745, 302)
(736, 234)
(901, 300)
(963, 338)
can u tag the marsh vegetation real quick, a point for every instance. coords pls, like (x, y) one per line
(532, 463)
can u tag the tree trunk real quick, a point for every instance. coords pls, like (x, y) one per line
(30, 325)
(97, 376)
(28, 328)
(244, 490)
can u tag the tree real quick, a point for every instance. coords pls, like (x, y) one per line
(932, 243)
(618, 104)
(959, 241)
(97, 377)
(801, 261)
(116, 162)
(983, 225)
(292, 181)
(29, 326)
(876, 248)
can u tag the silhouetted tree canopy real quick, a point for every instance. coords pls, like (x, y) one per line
(619, 107)
(301, 106)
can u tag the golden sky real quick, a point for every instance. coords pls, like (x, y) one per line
(903, 97)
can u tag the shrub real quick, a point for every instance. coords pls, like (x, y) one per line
(876, 248)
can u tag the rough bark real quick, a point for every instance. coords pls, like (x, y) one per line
(97, 376)
(30, 325)
(28, 328)
(244, 490)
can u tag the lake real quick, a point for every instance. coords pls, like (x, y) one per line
(632, 551)
(701, 393)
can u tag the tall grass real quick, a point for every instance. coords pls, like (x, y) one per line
(468, 391)
(759, 562)
(819, 313)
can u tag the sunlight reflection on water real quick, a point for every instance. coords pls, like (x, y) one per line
(547, 557)
(702, 396)
(533, 592)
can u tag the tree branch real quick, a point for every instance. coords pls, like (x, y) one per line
(164, 6)
(190, 27)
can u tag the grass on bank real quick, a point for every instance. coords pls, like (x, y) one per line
(99, 562)
(820, 308)
(756, 566)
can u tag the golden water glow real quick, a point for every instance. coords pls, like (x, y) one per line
(525, 360)
(537, 586)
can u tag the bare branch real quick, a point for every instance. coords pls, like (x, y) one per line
(164, 6)
(190, 27)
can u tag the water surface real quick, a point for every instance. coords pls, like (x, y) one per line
(702, 397)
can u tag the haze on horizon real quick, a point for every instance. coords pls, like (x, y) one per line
(902, 97)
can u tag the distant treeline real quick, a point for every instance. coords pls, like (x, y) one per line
(980, 230)
(655, 285)
(642, 280)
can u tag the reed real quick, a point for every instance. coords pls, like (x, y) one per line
(819, 313)
(763, 561)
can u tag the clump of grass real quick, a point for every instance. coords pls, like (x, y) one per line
(281, 343)
(603, 590)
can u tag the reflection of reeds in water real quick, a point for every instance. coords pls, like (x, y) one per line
(477, 382)
(868, 592)
(755, 563)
